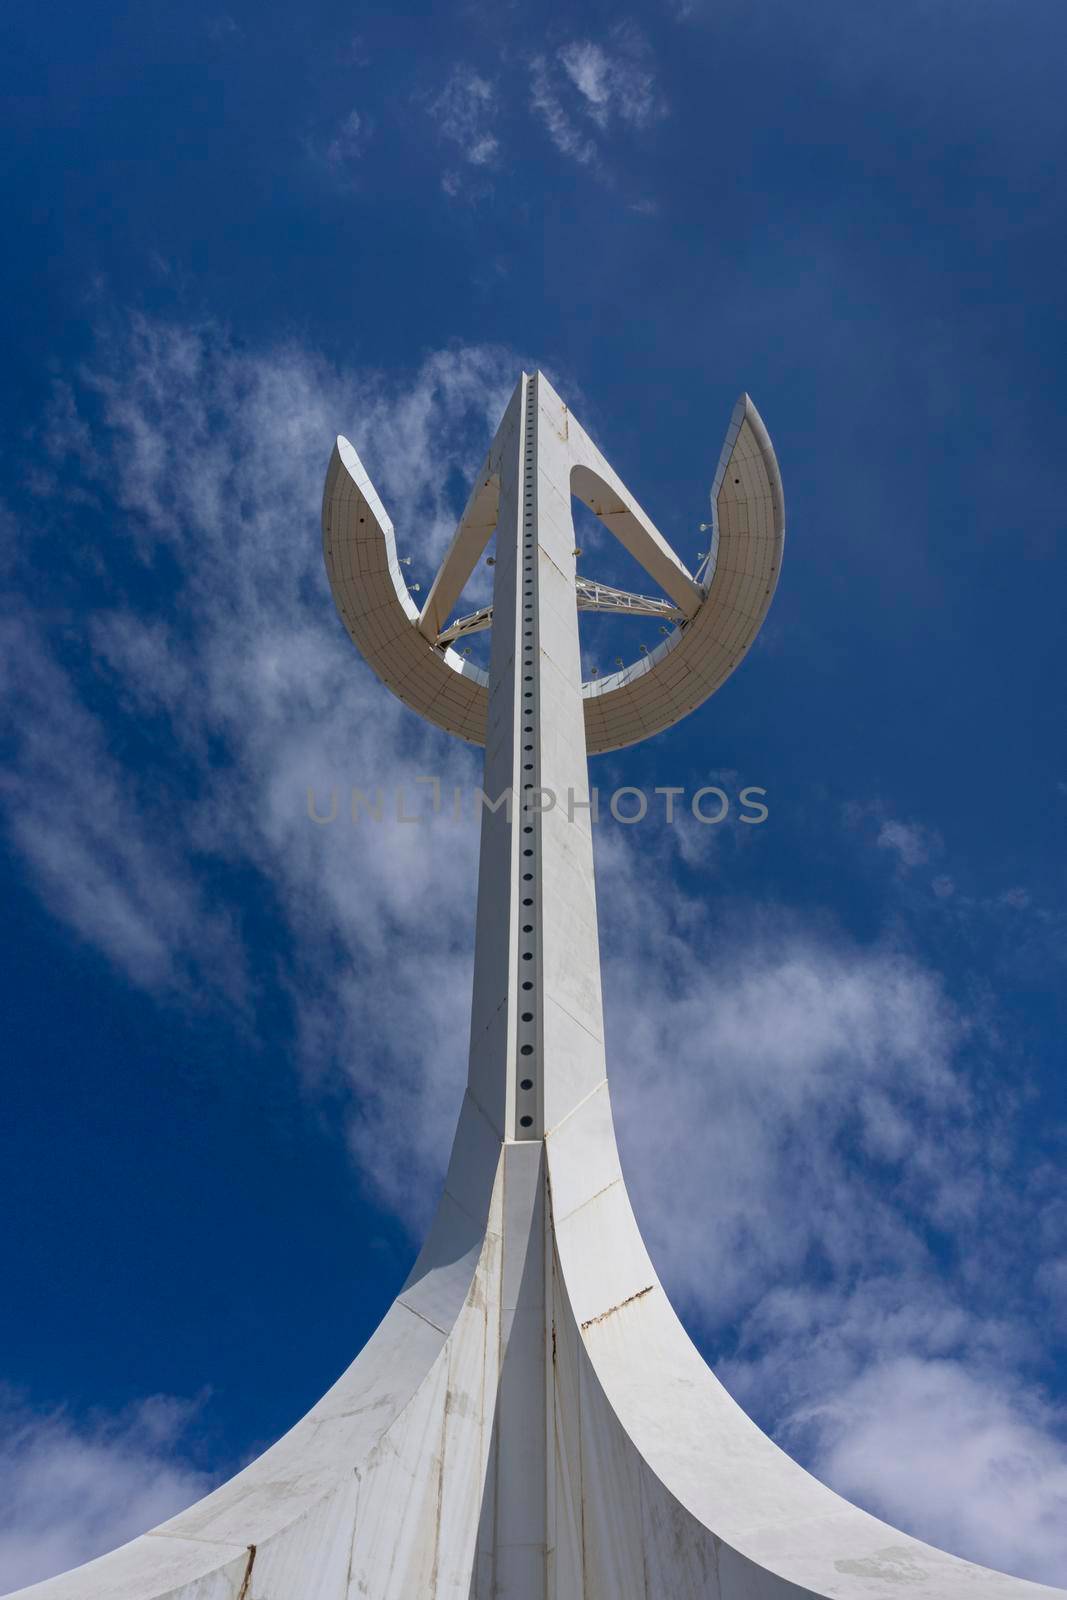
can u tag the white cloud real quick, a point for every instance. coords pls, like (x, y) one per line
(588, 87)
(617, 83)
(568, 139)
(71, 1490)
(248, 656)
(911, 844)
(818, 1175)
(73, 813)
(465, 112)
(795, 1054)
(343, 150)
(961, 1458)
(589, 69)
(1018, 931)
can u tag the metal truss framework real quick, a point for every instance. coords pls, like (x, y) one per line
(590, 596)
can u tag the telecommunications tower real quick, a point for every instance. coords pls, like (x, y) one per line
(531, 1421)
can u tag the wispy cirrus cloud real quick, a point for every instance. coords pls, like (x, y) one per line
(465, 113)
(811, 1064)
(71, 1489)
(963, 1456)
(852, 1169)
(587, 89)
(76, 817)
(562, 127)
(1022, 930)
(617, 82)
(910, 1401)
(339, 153)
(907, 844)
(247, 656)
(908, 841)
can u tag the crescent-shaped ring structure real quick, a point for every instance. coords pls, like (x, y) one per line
(531, 1421)
(716, 619)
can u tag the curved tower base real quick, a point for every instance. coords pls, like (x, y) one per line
(529, 1422)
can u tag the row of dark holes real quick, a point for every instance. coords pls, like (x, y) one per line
(527, 1017)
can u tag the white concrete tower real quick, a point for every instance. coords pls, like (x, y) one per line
(530, 1421)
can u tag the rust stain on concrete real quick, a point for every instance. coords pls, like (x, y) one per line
(591, 1322)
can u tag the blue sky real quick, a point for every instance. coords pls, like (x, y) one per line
(234, 1042)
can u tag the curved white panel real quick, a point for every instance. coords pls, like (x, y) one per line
(748, 512)
(381, 617)
(306, 1520)
(765, 1527)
